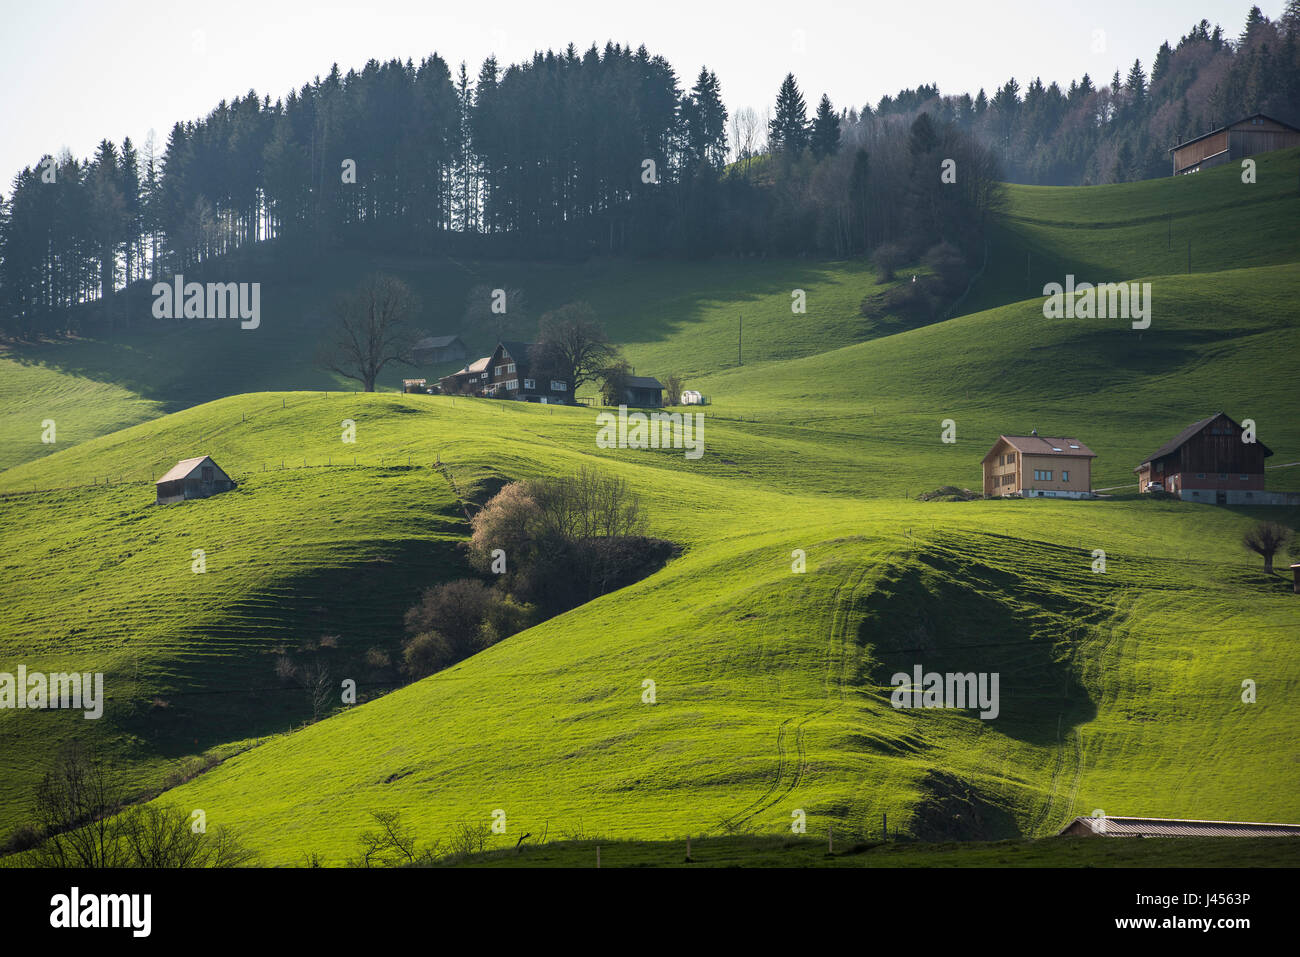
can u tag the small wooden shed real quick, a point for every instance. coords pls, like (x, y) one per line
(192, 478)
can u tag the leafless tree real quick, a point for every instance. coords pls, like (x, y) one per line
(673, 387)
(1265, 539)
(85, 821)
(372, 329)
(572, 344)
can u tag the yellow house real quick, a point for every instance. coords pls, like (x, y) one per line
(1035, 466)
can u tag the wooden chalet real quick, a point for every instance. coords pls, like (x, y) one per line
(1035, 466)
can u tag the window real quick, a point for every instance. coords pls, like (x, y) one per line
(1245, 478)
(1011, 457)
(499, 371)
(1200, 475)
(530, 383)
(1065, 476)
(559, 385)
(1222, 476)
(1042, 475)
(512, 385)
(510, 368)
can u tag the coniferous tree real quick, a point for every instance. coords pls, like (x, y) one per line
(788, 130)
(825, 136)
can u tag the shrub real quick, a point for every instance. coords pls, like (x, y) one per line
(426, 653)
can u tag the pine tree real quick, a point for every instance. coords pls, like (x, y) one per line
(825, 138)
(788, 130)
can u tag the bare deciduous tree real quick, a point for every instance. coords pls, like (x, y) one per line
(673, 387)
(1265, 539)
(571, 344)
(372, 329)
(83, 816)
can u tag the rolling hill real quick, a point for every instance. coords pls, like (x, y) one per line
(1120, 691)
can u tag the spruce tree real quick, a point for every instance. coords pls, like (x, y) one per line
(825, 138)
(788, 130)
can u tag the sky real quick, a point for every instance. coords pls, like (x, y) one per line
(73, 72)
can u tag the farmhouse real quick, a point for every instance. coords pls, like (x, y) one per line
(1170, 827)
(1210, 461)
(439, 349)
(511, 376)
(1246, 137)
(467, 381)
(1034, 466)
(192, 478)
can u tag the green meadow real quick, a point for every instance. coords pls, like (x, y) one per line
(1121, 689)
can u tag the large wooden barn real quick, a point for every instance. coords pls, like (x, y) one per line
(1208, 462)
(192, 478)
(1246, 137)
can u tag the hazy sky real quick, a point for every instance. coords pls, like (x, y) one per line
(73, 72)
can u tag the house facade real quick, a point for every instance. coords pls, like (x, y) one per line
(1209, 461)
(1034, 466)
(192, 478)
(511, 374)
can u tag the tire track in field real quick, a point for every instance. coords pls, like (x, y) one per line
(832, 674)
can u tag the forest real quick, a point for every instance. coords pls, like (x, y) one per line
(603, 152)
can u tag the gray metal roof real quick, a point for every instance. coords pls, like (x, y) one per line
(183, 468)
(643, 382)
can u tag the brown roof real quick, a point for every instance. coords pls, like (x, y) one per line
(1192, 430)
(183, 468)
(1172, 827)
(1045, 445)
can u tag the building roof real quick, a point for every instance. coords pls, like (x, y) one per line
(1252, 116)
(1173, 827)
(643, 382)
(183, 468)
(1183, 437)
(517, 350)
(436, 342)
(478, 365)
(1045, 445)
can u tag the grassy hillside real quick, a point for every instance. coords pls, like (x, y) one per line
(1119, 690)
(1108, 233)
(670, 316)
(772, 686)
